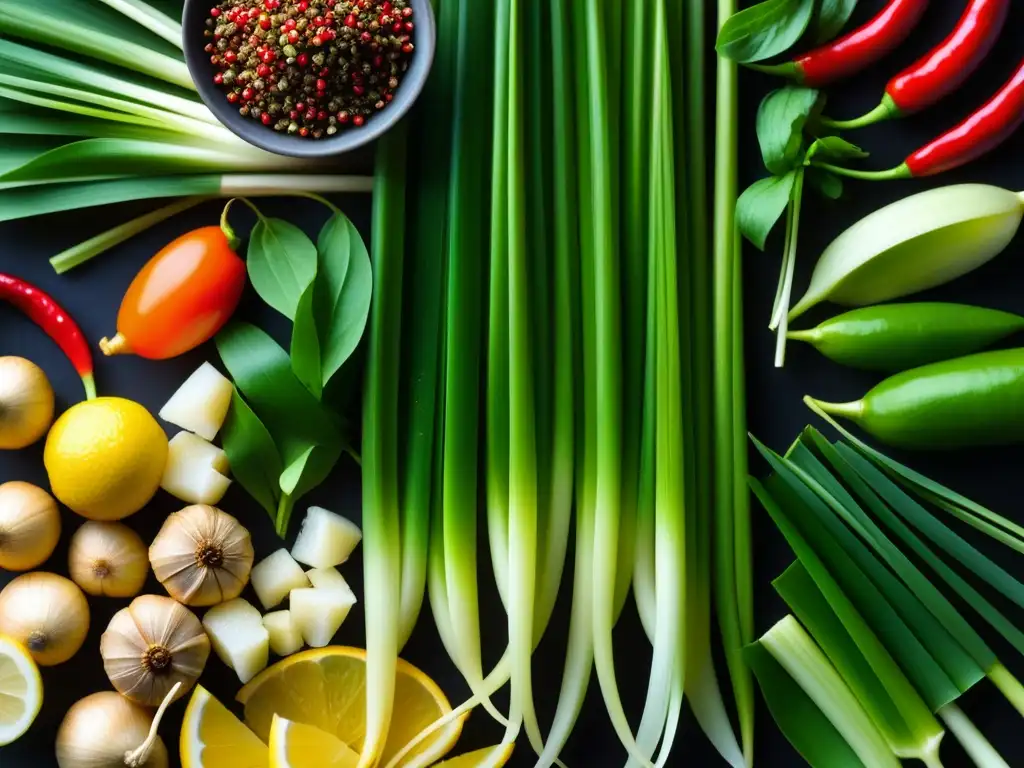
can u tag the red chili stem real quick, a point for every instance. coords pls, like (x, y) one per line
(979, 134)
(42, 310)
(943, 69)
(855, 50)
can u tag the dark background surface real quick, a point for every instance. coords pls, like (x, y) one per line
(92, 294)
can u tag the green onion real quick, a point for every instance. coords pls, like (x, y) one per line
(158, 23)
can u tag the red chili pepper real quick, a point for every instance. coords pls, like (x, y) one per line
(58, 325)
(943, 69)
(980, 133)
(983, 131)
(856, 50)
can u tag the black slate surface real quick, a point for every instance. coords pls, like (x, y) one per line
(92, 294)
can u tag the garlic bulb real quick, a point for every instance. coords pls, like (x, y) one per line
(47, 614)
(106, 730)
(202, 556)
(108, 559)
(26, 403)
(150, 646)
(29, 526)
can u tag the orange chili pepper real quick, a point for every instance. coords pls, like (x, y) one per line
(181, 298)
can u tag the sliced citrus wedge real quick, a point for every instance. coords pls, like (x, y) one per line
(326, 688)
(294, 745)
(488, 757)
(21, 690)
(212, 737)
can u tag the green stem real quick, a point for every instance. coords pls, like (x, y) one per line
(811, 335)
(788, 69)
(79, 254)
(90, 386)
(886, 110)
(284, 515)
(781, 320)
(971, 739)
(899, 172)
(1008, 685)
(852, 410)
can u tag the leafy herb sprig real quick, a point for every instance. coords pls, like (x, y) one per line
(772, 27)
(281, 436)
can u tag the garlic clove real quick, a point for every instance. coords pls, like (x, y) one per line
(239, 637)
(319, 613)
(202, 556)
(285, 637)
(275, 576)
(152, 644)
(201, 404)
(326, 539)
(196, 471)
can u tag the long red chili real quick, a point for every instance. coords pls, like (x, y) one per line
(983, 131)
(855, 50)
(943, 69)
(58, 325)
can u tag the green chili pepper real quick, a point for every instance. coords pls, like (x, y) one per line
(970, 401)
(896, 337)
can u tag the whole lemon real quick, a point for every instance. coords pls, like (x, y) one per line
(105, 458)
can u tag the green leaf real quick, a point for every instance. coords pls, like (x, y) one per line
(308, 470)
(830, 18)
(826, 182)
(344, 287)
(305, 348)
(262, 372)
(762, 204)
(282, 263)
(834, 148)
(780, 126)
(255, 462)
(804, 725)
(764, 30)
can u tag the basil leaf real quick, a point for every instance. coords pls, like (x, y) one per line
(305, 348)
(282, 262)
(764, 30)
(830, 19)
(343, 289)
(826, 182)
(308, 470)
(780, 126)
(762, 204)
(255, 462)
(262, 372)
(834, 148)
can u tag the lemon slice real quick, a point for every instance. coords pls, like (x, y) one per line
(294, 745)
(488, 757)
(326, 688)
(212, 737)
(21, 690)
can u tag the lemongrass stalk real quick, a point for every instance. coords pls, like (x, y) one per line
(78, 109)
(79, 254)
(731, 503)
(978, 748)
(91, 78)
(160, 24)
(18, 20)
(169, 120)
(381, 522)
(675, 710)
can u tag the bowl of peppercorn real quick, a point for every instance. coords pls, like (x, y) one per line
(309, 78)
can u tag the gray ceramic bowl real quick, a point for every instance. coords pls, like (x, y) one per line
(194, 24)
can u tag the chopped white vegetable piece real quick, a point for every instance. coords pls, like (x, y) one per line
(196, 470)
(201, 404)
(319, 613)
(285, 637)
(329, 578)
(238, 636)
(275, 576)
(326, 539)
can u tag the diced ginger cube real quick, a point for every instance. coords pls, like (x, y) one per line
(238, 636)
(201, 404)
(285, 637)
(319, 613)
(196, 470)
(326, 539)
(275, 576)
(329, 578)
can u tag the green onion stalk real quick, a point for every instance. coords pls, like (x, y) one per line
(734, 599)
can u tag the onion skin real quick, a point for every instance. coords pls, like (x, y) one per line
(154, 623)
(46, 613)
(29, 526)
(26, 403)
(202, 556)
(98, 730)
(108, 560)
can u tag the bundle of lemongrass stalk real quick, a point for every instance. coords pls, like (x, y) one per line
(99, 108)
